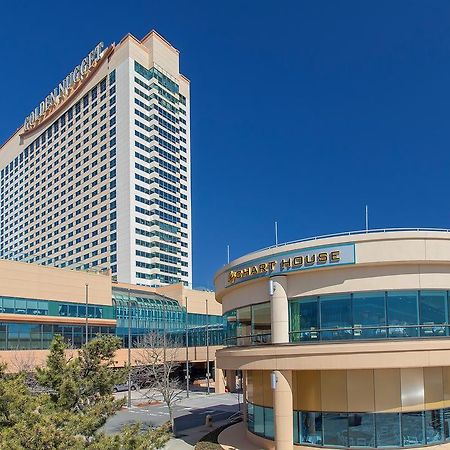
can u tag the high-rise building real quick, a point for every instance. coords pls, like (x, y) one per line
(99, 174)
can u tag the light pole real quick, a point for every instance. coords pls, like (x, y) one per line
(129, 350)
(207, 348)
(187, 351)
(86, 297)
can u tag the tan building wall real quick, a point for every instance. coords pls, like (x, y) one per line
(381, 375)
(18, 279)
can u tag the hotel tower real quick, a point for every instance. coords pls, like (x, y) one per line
(98, 176)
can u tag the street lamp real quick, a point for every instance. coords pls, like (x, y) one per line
(86, 297)
(187, 351)
(207, 348)
(129, 350)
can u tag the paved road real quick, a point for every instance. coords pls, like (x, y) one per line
(189, 413)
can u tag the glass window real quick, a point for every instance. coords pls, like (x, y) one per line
(258, 414)
(412, 429)
(402, 313)
(304, 320)
(250, 417)
(269, 432)
(244, 325)
(361, 430)
(261, 323)
(433, 426)
(296, 418)
(388, 429)
(335, 429)
(311, 427)
(432, 313)
(369, 315)
(447, 424)
(336, 315)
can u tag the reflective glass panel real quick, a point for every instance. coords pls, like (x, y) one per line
(402, 312)
(412, 429)
(369, 315)
(268, 423)
(388, 429)
(244, 325)
(335, 429)
(361, 430)
(432, 313)
(258, 414)
(335, 315)
(250, 417)
(261, 323)
(434, 432)
(447, 424)
(311, 427)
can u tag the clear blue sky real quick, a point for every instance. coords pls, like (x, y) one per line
(302, 111)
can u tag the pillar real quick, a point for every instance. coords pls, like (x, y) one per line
(283, 407)
(279, 310)
(244, 396)
(219, 381)
(231, 380)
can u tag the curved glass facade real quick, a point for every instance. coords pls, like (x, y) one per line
(363, 430)
(335, 317)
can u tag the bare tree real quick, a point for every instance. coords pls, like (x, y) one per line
(158, 369)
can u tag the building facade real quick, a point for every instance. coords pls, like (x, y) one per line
(98, 177)
(38, 302)
(342, 341)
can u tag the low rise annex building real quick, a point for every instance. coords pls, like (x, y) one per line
(343, 341)
(38, 302)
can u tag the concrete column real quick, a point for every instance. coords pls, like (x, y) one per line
(219, 381)
(231, 380)
(279, 310)
(283, 407)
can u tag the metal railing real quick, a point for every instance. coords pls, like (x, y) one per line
(351, 233)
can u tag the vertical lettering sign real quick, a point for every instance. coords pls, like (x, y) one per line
(292, 261)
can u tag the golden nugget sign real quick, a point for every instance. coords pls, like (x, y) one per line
(312, 258)
(61, 92)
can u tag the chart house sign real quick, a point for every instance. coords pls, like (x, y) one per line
(61, 92)
(310, 258)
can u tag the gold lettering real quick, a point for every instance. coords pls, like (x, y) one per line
(285, 264)
(263, 267)
(272, 265)
(245, 272)
(322, 258)
(297, 261)
(335, 256)
(231, 276)
(254, 270)
(310, 260)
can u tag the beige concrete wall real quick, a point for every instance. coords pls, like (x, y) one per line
(384, 261)
(19, 279)
(336, 356)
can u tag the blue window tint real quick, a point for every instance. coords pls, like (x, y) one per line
(311, 428)
(296, 418)
(336, 315)
(369, 315)
(269, 432)
(412, 429)
(335, 429)
(433, 313)
(434, 431)
(258, 413)
(250, 417)
(402, 312)
(361, 430)
(305, 319)
(388, 429)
